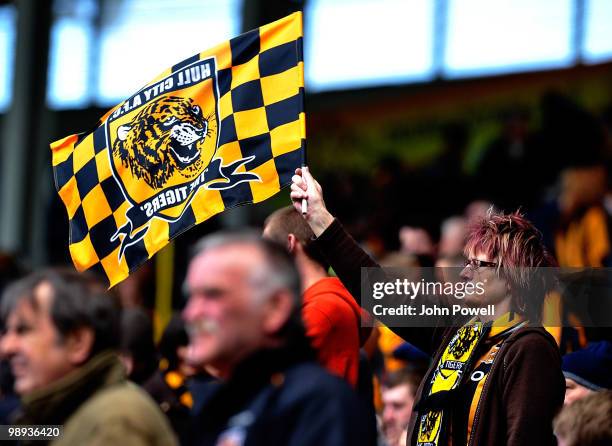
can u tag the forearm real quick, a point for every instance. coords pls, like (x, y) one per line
(347, 258)
(344, 255)
(320, 222)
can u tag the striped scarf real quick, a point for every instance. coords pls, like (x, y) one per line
(433, 414)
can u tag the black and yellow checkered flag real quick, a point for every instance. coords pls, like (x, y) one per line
(223, 128)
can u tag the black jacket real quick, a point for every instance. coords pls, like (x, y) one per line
(282, 397)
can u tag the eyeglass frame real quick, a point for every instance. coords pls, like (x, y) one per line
(476, 264)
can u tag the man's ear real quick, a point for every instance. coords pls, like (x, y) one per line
(292, 242)
(279, 307)
(128, 363)
(79, 344)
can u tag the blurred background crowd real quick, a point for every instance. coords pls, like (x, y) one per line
(421, 115)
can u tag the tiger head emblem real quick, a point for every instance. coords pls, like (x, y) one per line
(463, 341)
(165, 137)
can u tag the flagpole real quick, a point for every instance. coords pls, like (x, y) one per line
(304, 167)
(299, 47)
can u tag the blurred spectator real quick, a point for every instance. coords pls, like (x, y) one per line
(61, 333)
(168, 385)
(407, 266)
(582, 230)
(331, 315)
(416, 241)
(398, 393)
(10, 270)
(180, 384)
(137, 290)
(477, 210)
(138, 351)
(388, 342)
(452, 236)
(588, 370)
(173, 347)
(448, 268)
(243, 317)
(586, 422)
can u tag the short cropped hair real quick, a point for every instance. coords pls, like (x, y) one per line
(405, 376)
(79, 300)
(287, 221)
(586, 422)
(516, 245)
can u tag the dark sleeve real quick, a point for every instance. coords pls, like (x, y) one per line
(533, 390)
(347, 258)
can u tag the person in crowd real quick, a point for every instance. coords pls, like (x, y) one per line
(581, 225)
(586, 422)
(409, 267)
(398, 391)
(140, 358)
(452, 237)
(493, 380)
(587, 371)
(61, 337)
(331, 315)
(244, 321)
(416, 241)
(477, 210)
(173, 347)
(10, 270)
(137, 349)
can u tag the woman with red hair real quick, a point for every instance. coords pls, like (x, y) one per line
(493, 380)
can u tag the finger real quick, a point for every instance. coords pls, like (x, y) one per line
(298, 171)
(298, 195)
(297, 180)
(295, 189)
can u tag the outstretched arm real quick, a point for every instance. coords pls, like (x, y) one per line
(343, 253)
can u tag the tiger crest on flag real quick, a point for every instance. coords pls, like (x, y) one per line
(169, 135)
(164, 140)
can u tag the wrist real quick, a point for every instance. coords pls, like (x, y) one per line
(320, 222)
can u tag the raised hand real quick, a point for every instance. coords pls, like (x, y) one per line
(304, 186)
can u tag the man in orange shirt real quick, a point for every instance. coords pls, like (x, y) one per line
(331, 315)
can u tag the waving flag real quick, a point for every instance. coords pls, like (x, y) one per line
(223, 128)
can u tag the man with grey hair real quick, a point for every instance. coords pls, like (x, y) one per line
(243, 319)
